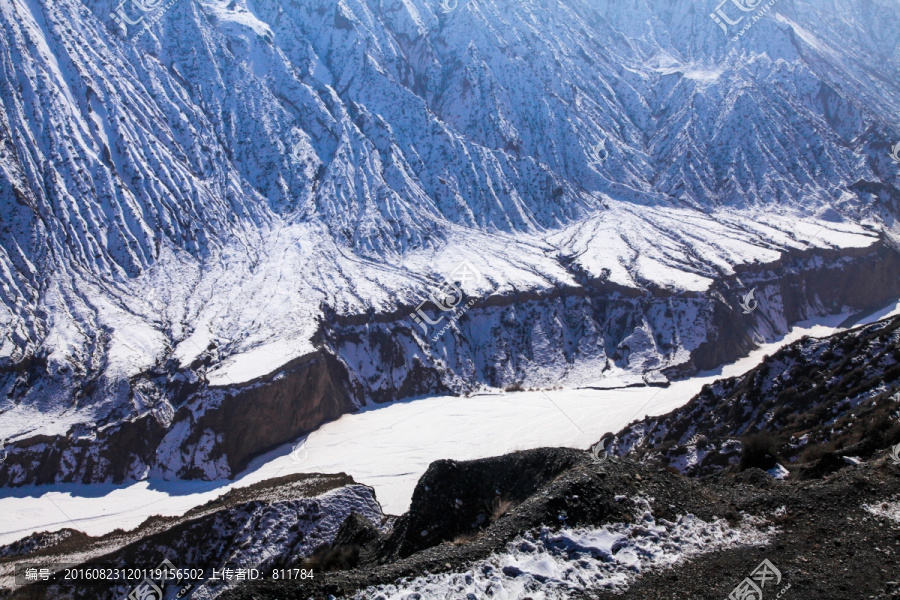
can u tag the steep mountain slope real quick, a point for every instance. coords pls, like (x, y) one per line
(630, 531)
(807, 406)
(225, 187)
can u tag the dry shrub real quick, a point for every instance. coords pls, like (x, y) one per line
(501, 507)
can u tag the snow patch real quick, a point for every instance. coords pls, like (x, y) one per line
(778, 471)
(549, 565)
(889, 509)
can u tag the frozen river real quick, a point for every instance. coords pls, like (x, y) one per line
(386, 447)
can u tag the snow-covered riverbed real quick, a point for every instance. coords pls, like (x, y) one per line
(386, 447)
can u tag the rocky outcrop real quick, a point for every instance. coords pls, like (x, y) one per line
(148, 194)
(252, 418)
(454, 499)
(577, 335)
(799, 286)
(214, 434)
(806, 407)
(532, 545)
(570, 336)
(272, 524)
(122, 451)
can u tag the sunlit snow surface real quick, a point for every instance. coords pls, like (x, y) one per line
(551, 564)
(386, 447)
(889, 509)
(260, 309)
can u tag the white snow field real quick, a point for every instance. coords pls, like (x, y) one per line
(387, 447)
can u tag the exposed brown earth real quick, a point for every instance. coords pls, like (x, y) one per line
(266, 413)
(249, 419)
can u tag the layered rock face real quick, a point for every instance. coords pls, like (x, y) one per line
(213, 435)
(201, 198)
(598, 331)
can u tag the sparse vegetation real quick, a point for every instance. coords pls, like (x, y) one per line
(464, 538)
(501, 507)
(327, 559)
(758, 451)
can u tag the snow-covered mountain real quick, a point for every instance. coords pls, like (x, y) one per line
(209, 206)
